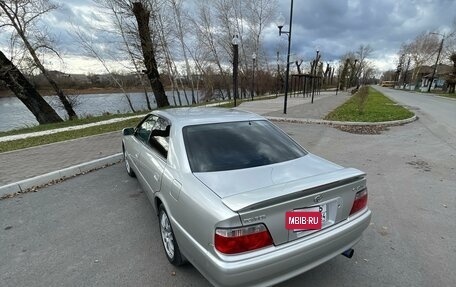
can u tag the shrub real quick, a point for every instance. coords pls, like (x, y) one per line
(361, 97)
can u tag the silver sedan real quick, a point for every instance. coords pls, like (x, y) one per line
(239, 199)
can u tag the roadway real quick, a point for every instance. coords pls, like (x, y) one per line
(436, 113)
(99, 229)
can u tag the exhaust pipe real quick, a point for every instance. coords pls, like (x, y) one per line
(348, 253)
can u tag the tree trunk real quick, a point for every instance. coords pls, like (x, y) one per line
(22, 88)
(146, 95)
(66, 104)
(130, 53)
(142, 18)
(63, 99)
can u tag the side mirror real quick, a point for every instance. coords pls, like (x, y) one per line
(128, 131)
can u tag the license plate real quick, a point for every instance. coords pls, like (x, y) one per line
(311, 218)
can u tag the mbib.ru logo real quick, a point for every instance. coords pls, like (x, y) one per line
(302, 220)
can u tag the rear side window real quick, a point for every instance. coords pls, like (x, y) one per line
(160, 136)
(237, 145)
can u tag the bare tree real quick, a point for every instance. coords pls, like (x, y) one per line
(125, 34)
(215, 25)
(451, 78)
(170, 65)
(204, 24)
(91, 50)
(25, 92)
(121, 28)
(344, 73)
(142, 15)
(176, 6)
(362, 55)
(449, 47)
(22, 16)
(421, 50)
(259, 13)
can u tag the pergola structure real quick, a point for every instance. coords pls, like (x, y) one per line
(306, 85)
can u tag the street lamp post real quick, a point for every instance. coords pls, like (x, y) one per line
(356, 74)
(280, 26)
(437, 61)
(314, 75)
(253, 74)
(278, 75)
(235, 43)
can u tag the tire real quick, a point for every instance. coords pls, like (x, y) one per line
(170, 246)
(127, 164)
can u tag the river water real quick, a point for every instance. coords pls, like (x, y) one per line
(14, 114)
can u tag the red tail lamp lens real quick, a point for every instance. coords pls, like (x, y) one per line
(242, 239)
(360, 201)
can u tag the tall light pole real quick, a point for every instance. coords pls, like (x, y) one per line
(235, 43)
(278, 74)
(253, 74)
(314, 75)
(437, 61)
(280, 25)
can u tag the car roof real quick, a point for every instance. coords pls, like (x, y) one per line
(205, 115)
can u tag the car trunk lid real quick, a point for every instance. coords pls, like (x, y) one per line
(269, 192)
(232, 182)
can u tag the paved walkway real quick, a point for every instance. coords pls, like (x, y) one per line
(298, 107)
(26, 163)
(23, 164)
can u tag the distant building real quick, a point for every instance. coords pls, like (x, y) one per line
(439, 81)
(419, 78)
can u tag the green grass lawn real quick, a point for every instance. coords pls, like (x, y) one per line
(377, 108)
(82, 121)
(67, 135)
(94, 119)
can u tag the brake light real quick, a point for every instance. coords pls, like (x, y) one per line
(242, 239)
(360, 201)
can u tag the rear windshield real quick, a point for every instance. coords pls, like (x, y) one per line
(237, 145)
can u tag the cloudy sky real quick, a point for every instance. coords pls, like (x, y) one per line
(338, 26)
(334, 26)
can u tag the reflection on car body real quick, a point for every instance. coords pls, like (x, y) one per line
(221, 182)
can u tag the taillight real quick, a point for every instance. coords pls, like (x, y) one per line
(242, 239)
(360, 201)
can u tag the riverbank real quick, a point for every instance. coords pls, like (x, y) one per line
(85, 91)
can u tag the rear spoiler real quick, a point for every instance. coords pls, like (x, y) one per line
(258, 198)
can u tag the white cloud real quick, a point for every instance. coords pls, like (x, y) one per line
(75, 64)
(335, 26)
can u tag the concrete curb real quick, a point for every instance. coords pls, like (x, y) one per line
(338, 123)
(31, 184)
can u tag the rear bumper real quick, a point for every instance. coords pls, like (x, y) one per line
(285, 261)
